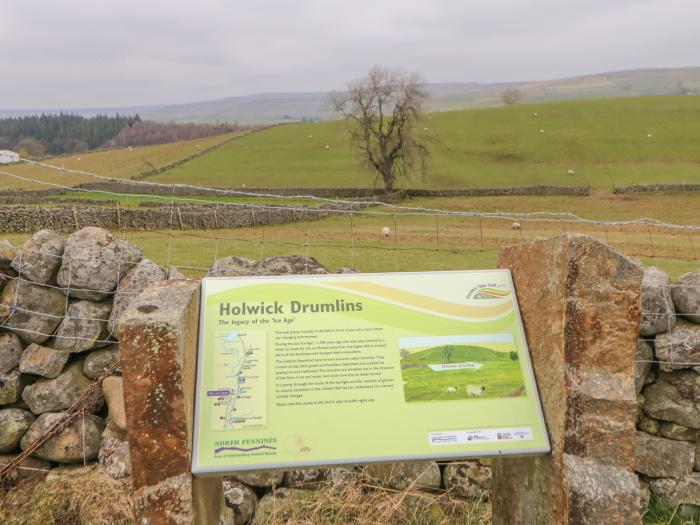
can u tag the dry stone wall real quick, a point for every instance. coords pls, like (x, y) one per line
(60, 302)
(668, 386)
(25, 219)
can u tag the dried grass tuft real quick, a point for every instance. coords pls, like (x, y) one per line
(363, 502)
(87, 497)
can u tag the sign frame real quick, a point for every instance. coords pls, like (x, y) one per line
(198, 470)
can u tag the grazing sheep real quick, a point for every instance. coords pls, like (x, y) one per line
(516, 226)
(405, 382)
(386, 231)
(541, 131)
(451, 390)
(535, 114)
(327, 146)
(649, 135)
(473, 390)
(571, 172)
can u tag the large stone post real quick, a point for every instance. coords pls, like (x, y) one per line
(580, 304)
(158, 341)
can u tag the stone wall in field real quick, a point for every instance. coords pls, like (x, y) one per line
(65, 218)
(133, 188)
(640, 188)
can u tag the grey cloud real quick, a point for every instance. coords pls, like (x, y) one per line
(86, 53)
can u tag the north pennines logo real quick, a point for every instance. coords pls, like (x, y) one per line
(489, 291)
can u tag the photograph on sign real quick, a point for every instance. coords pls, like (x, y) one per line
(300, 371)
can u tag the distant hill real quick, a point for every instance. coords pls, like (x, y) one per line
(288, 107)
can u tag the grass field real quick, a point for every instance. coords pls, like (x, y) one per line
(605, 142)
(498, 374)
(424, 243)
(118, 163)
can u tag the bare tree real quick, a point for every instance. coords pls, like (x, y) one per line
(511, 96)
(383, 109)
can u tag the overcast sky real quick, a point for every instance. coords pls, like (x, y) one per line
(87, 53)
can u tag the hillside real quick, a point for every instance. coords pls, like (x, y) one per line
(460, 353)
(118, 163)
(605, 142)
(286, 107)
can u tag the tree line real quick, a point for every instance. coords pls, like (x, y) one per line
(40, 135)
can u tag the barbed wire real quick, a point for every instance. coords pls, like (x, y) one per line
(536, 216)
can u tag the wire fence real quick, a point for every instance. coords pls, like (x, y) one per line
(370, 235)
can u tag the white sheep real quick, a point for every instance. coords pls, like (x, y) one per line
(451, 390)
(516, 226)
(405, 382)
(571, 172)
(386, 231)
(473, 390)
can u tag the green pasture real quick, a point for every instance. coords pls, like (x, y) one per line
(425, 242)
(500, 375)
(605, 142)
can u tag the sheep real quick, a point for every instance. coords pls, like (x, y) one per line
(541, 131)
(451, 390)
(571, 172)
(386, 231)
(405, 382)
(473, 390)
(516, 226)
(328, 146)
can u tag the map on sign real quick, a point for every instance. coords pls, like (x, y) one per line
(239, 399)
(315, 370)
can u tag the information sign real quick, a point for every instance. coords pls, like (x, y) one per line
(298, 371)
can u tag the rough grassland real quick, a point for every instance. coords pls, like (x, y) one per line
(119, 163)
(605, 142)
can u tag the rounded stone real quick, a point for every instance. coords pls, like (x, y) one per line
(94, 261)
(40, 257)
(99, 361)
(241, 499)
(134, 282)
(288, 265)
(231, 266)
(84, 327)
(658, 314)
(42, 361)
(78, 441)
(32, 311)
(14, 423)
(52, 395)
(679, 348)
(10, 351)
(686, 296)
(11, 385)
